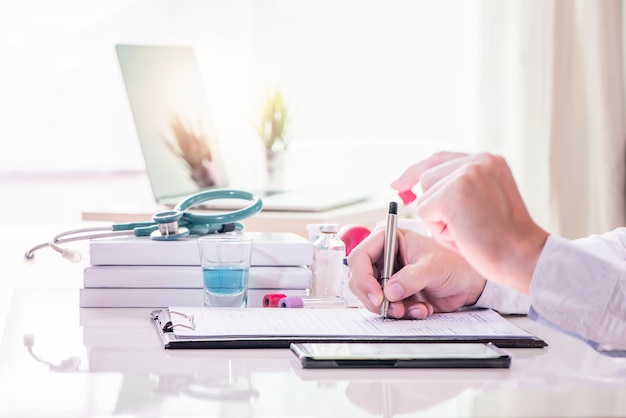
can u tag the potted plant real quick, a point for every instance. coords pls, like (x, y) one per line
(271, 129)
(193, 148)
(272, 124)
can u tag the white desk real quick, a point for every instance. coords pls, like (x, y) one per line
(132, 202)
(133, 376)
(124, 371)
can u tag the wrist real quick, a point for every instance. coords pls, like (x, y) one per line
(522, 256)
(475, 291)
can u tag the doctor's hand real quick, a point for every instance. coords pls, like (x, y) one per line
(471, 204)
(428, 277)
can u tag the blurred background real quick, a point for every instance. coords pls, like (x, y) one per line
(371, 87)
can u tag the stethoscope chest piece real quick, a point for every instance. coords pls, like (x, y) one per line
(168, 228)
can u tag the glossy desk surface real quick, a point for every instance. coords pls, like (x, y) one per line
(109, 362)
(104, 362)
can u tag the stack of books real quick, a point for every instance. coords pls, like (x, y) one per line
(138, 272)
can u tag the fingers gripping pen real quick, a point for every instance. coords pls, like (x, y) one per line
(389, 252)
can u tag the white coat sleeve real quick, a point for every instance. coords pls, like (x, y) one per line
(579, 287)
(503, 299)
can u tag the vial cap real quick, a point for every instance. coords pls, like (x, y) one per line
(291, 302)
(272, 300)
(329, 228)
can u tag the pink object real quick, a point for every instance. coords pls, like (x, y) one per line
(292, 302)
(352, 235)
(272, 300)
(407, 196)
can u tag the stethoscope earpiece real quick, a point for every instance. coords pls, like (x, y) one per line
(29, 257)
(71, 255)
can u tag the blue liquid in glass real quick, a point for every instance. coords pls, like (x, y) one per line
(225, 286)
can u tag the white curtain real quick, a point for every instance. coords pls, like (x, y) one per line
(552, 102)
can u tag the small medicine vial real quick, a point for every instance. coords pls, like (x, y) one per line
(329, 253)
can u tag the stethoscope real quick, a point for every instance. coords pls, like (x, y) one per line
(168, 225)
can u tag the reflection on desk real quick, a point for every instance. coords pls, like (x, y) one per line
(124, 370)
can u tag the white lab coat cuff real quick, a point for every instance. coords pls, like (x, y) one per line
(503, 299)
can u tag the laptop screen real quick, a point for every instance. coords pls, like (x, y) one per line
(171, 114)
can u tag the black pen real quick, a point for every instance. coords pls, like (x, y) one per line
(389, 252)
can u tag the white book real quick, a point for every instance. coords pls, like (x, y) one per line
(269, 249)
(162, 298)
(190, 277)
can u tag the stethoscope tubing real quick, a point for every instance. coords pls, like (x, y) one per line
(180, 220)
(77, 235)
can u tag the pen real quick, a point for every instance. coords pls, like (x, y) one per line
(389, 252)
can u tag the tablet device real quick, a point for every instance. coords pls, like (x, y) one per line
(400, 355)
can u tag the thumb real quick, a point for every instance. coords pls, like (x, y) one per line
(412, 279)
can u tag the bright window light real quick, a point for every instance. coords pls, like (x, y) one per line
(352, 71)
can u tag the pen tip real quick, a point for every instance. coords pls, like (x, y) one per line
(393, 208)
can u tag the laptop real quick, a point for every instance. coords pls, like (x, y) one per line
(178, 141)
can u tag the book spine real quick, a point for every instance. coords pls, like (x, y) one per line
(163, 298)
(190, 277)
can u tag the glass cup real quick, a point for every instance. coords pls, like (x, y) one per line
(225, 262)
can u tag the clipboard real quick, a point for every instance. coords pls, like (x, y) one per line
(215, 328)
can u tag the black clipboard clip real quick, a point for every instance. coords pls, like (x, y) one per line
(164, 320)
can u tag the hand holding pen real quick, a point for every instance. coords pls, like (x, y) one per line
(389, 252)
(427, 277)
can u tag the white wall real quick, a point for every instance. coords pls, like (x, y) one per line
(367, 78)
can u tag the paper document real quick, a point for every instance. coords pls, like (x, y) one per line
(341, 323)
